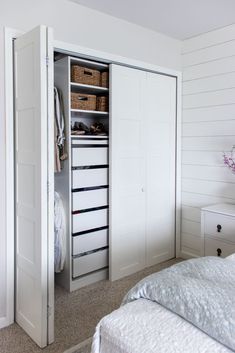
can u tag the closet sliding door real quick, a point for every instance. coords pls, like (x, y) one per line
(127, 179)
(142, 179)
(160, 129)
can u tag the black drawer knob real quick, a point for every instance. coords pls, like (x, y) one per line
(219, 252)
(219, 227)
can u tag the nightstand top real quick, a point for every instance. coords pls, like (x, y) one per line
(223, 208)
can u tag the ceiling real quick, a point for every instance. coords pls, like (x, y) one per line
(179, 19)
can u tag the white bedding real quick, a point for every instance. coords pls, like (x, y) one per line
(143, 326)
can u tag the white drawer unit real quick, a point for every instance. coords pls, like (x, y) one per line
(90, 198)
(83, 178)
(89, 220)
(90, 241)
(90, 262)
(89, 156)
(218, 230)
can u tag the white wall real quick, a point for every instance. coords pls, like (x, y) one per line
(208, 127)
(85, 27)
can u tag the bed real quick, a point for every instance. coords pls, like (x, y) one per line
(189, 307)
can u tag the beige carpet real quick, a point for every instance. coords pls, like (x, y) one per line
(83, 347)
(76, 314)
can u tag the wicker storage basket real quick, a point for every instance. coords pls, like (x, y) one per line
(102, 103)
(83, 101)
(104, 79)
(85, 75)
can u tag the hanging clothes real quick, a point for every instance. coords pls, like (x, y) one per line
(59, 233)
(59, 136)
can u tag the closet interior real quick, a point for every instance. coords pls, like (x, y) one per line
(82, 167)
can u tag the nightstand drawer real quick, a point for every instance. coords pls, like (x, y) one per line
(212, 245)
(219, 226)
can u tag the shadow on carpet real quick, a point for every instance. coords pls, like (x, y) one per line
(83, 347)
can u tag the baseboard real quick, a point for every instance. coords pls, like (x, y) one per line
(187, 255)
(4, 322)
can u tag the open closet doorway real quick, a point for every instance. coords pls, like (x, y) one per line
(108, 146)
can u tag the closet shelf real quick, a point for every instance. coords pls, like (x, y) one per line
(88, 63)
(89, 112)
(82, 88)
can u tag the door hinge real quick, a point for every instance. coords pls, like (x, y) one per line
(47, 60)
(49, 310)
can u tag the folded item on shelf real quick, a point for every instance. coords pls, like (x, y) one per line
(80, 128)
(98, 129)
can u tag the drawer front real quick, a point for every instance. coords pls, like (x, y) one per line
(91, 198)
(227, 231)
(211, 246)
(89, 220)
(89, 156)
(84, 140)
(90, 241)
(89, 177)
(88, 263)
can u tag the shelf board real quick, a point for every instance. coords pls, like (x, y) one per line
(88, 63)
(79, 87)
(89, 112)
(90, 136)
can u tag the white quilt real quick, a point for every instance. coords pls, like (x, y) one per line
(143, 326)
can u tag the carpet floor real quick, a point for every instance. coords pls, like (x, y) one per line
(76, 313)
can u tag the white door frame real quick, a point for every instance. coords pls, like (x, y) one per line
(10, 34)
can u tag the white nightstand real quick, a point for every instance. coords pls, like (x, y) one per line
(218, 230)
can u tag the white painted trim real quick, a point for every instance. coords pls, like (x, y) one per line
(187, 255)
(111, 58)
(9, 35)
(178, 210)
(50, 178)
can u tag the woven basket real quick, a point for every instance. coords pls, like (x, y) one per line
(85, 75)
(104, 79)
(102, 103)
(83, 101)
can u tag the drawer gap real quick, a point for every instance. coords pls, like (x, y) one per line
(97, 166)
(89, 231)
(89, 145)
(90, 188)
(90, 210)
(90, 252)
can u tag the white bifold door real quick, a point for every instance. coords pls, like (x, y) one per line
(142, 179)
(34, 184)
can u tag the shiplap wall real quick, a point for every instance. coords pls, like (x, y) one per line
(208, 128)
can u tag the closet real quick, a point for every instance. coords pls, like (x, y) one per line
(142, 181)
(118, 184)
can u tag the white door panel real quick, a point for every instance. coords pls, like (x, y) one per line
(160, 167)
(127, 173)
(31, 119)
(143, 120)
